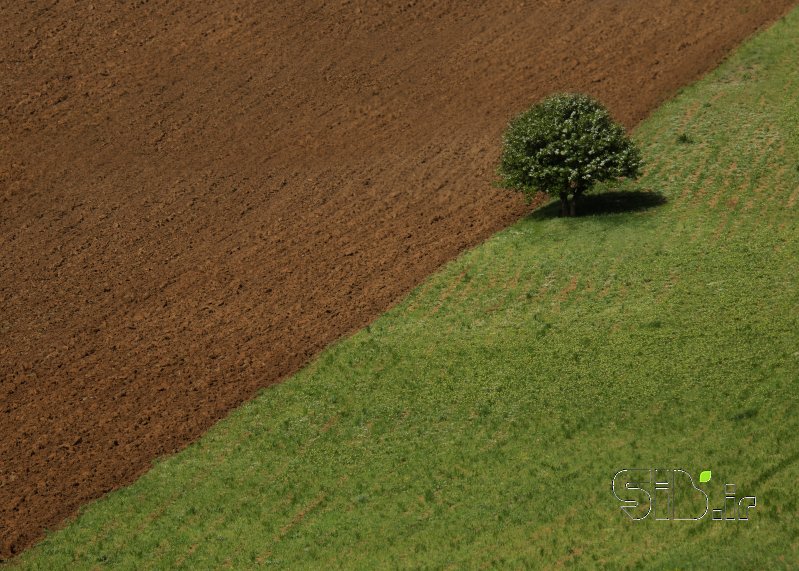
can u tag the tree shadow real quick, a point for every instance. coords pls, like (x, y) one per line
(609, 202)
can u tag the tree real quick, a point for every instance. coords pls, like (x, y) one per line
(563, 146)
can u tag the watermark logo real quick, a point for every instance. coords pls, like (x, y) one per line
(672, 495)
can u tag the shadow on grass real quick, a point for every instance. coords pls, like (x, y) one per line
(610, 202)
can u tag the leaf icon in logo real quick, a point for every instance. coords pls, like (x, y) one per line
(704, 477)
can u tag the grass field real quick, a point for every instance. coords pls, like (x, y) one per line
(480, 422)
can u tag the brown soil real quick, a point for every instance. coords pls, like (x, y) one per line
(195, 200)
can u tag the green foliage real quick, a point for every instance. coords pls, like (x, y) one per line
(564, 145)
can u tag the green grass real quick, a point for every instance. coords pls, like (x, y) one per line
(479, 423)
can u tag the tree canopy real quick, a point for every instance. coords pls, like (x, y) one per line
(563, 146)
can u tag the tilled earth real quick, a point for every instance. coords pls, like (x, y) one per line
(197, 197)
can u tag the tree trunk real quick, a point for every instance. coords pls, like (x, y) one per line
(564, 204)
(573, 211)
